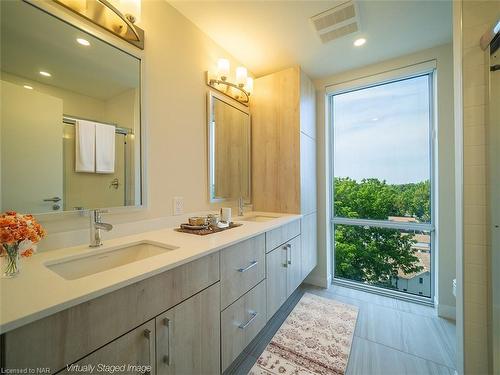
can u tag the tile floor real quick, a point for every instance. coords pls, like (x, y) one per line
(391, 336)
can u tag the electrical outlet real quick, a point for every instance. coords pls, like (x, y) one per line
(178, 205)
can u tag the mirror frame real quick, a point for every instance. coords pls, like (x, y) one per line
(211, 95)
(67, 16)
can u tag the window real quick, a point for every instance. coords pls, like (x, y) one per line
(382, 184)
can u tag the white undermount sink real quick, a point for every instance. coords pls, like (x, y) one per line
(71, 268)
(259, 218)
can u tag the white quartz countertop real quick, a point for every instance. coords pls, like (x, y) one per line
(38, 292)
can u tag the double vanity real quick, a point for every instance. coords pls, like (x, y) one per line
(163, 301)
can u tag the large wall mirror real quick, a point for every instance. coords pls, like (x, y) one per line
(229, 136)
(70, 116)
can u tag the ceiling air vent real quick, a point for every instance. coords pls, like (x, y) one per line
(336, 22)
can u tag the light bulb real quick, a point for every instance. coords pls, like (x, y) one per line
(223, 68)
(249, 85)
(241, 76)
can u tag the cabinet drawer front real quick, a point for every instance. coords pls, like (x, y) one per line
(241, 322)
(75, 332)
(280, 235)
(242, 266)
(188, 336)
(132, 353)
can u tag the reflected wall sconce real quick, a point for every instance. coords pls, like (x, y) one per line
(116, 16)
(239, 90)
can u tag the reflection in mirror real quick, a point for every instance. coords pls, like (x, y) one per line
(229, 149)
(55, 76)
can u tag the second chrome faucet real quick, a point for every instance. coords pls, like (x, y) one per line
(96, 225)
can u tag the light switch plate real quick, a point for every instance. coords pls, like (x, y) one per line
(178, 205)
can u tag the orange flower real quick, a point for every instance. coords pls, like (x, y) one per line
(16, 228)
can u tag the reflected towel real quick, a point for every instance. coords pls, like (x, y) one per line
(104, 148)
(84, 146)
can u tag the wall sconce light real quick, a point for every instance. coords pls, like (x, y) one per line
(240, 90)
(117, 16)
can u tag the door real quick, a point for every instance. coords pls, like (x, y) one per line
(188, 336)
(276, 270)
(132, 353)
(294, 269)
(33, 173)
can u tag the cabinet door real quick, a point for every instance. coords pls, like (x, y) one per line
(132, 353)
(294, 269)
(188, 336)
(276, 272)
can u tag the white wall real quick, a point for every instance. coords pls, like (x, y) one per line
(176, 56)
(445, 157)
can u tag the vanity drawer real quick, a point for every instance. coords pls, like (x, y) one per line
(73, 333)
(280, 235)
(241, 322)
(242, 266)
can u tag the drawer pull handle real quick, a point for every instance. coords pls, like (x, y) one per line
(147, 335)
(253, 315)
(251, 265)
(167, 359)
(289, 246)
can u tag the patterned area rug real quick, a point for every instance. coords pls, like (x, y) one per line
(315, 338)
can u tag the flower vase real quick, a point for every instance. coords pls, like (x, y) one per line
(11, 263)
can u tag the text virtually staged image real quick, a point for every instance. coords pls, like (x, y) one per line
(283, 187)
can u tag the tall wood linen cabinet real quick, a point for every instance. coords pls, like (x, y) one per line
(283, 108)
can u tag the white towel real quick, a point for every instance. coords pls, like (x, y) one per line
(104, 148)
(84, 146)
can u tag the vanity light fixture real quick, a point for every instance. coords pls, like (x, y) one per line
(359, 42)
(83, 42)
(45, 74)
(240, 90)
(116, 16)
(28, 87)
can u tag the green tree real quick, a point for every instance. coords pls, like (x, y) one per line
(375, 255)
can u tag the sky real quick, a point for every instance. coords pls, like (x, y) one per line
(383, 132)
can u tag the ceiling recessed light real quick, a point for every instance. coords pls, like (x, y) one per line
(83, 42)
(45, 74)
(28, 87)
(359, 42)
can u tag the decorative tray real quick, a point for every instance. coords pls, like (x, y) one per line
(207, 230)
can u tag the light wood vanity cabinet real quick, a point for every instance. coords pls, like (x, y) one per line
(131, 353)
(65, 337)
(188, 336)
(194, 319)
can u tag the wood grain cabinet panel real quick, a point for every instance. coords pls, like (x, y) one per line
(276, 279)
(242, 266)
(132, 353)
(241, 322)
(71, 334)
(188, 336)
(279, 236)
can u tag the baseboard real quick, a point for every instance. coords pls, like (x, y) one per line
(317, 280)
(448, 312)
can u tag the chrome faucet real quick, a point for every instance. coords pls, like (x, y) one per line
(96, 225)
(241, 206)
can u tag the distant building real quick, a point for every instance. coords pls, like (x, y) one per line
(416, 282)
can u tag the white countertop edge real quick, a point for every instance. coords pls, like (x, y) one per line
(23, 316)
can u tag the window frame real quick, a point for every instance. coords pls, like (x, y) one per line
(426, 68)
